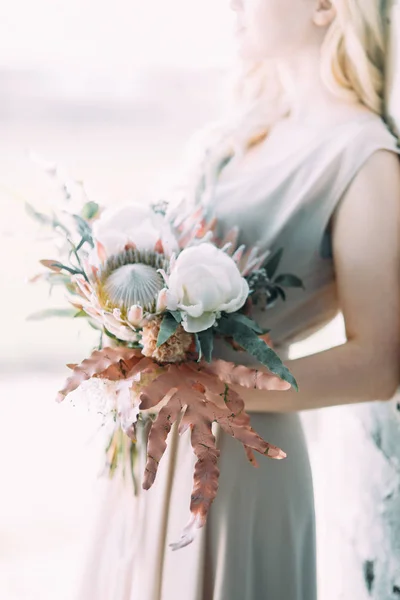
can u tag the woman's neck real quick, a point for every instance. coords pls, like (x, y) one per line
(310, 100)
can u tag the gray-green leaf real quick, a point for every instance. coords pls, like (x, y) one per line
(168, 327)
(198, 347)
(89, 210)
(84, 230)
(58, 279)
(249, 340)
(246, 321)
(273, 263)
(38, 216)
(177, 315)
(45, 219)
(52, 312)
(80, 314)
(69, 269)
(206, 340)
(288, 280)
(281, 292)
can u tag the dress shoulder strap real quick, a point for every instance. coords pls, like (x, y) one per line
(372, 136)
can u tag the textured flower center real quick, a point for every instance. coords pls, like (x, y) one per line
(133, 284)
(131, 278)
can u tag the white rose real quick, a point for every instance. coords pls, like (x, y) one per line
(205, 281)
(134, 224)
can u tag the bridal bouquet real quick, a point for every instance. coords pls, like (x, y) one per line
(160, 290)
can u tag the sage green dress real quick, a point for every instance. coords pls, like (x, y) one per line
(259, 541)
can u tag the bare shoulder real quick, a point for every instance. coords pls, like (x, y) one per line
(382, 164)
(380, 171)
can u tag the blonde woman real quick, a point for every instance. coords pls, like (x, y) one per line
(305, 162)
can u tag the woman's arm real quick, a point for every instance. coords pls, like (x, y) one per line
(366, 250)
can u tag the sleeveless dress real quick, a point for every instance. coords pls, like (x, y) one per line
(259, 540)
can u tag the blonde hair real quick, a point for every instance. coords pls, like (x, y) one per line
(352, 68)
(353, 53)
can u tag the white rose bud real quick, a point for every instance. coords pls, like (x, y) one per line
(135, 315)
(162, 300)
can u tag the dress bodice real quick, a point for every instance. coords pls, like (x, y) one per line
(288, 204)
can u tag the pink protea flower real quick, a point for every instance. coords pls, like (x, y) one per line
(126, 292)
(193, 227)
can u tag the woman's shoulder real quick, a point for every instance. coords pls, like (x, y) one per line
(366, 172)
(370, 205)
(376, 171)
(380, 171)
(368, 146)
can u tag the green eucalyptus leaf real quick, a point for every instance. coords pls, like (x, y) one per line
(206, 340)
(168, 327)
(89, 210)
(249, 340)
(280, 292)
(84, 230)
(57, 225)
(71, 288)
(246, 321)
(273, 296)
(288, 280)
(69, 269)
(38, 216)
(177, 315)
(43, 219)
(273, 263)
(198, 347)
(52, 312)
(80, 314)
(81, 243)
(58, 279)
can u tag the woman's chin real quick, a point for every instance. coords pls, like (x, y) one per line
(243, 52)
(247, 52)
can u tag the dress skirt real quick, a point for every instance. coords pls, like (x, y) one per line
(258, 543)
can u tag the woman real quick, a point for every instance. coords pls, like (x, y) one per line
(312, 169)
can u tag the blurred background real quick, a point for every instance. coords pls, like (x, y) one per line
(111, 92)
